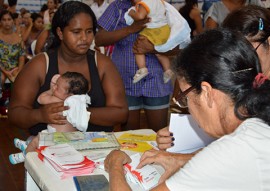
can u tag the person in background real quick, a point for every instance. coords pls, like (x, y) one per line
(2, 5)
(150, 94)
(12, 53)
(45, 39)
(12, 6)
(219, 10)
(17, 22)
(229, 97)
(52, 7)
(74, 27)
(43, 8)
(36, 29)
(98, 7)
(192, 14)
(207, 4)
(253, 22)
(26, 25)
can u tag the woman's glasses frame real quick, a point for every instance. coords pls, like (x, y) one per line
(181, 99)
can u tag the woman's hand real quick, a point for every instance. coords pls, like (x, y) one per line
(11, 74)
(169, 161)
(138, 25)
(142, 46)
(53, 113)
(115, 159)
(164, 138)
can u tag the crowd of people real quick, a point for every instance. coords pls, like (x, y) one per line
(222, 75)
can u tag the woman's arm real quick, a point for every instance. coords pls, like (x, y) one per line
(106, 38)
(195, 14)
(143, 46)
(26, 31)
(27, 84)
(41, 41)
(210, 23)
(116, 110)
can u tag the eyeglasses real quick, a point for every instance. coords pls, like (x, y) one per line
(259, 45)
(181, 100)
(263, 41)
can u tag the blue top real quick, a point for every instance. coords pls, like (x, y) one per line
(152, 85)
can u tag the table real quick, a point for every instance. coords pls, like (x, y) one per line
(40, 177)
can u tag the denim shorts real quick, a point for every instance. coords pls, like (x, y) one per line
(151, 103)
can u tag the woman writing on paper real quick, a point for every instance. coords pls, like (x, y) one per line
(229, 97)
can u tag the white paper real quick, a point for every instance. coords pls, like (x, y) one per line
(147, 177)
(189, 137)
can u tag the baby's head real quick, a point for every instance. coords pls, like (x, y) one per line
(70, 83)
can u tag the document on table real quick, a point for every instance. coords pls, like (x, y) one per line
(189, 137)
(147, 177)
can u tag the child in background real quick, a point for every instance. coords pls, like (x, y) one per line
(62, 87)
(157, 32)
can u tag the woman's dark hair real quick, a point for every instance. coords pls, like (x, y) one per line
(65, 13)
(78, 84)
(247, 19)
(228, 62)
(12, 2)
(6, 12)
(44, 8)
(185, 10)
(35, 16)
(15, 15)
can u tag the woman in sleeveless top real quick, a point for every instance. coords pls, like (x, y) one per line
(11, 49)
(74, 26)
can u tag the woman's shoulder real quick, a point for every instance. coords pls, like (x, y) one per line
(38, 60)
(101, 59)
(195, 12)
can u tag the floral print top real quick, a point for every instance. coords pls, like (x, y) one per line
(10, 54)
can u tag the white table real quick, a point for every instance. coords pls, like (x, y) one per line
(40, 177)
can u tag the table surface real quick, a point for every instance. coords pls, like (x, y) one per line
(46, 179)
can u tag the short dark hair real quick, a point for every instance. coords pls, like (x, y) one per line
(6, 12)
(78, 84)
(44, 8)
(65, 13)
(226, 60)
(35, 16)
(12, 2)
(246, 20)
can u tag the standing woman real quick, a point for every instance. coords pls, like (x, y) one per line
(192, 14)
(74, 27)
(12, 54)
(52, 7)
(150, 94)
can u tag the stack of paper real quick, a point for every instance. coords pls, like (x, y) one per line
(65, 161)
(80, 140)
(147, 177)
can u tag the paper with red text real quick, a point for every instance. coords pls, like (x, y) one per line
(147, 177)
